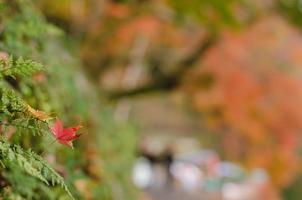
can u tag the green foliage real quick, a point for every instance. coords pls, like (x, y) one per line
(211, 13)
(293, 191)
(25, 28)
(26, 34)
(13, 108)
(30, 162)
(292, 10)
(19, 67)
(120, 156)
(11, 103)
(16, 113)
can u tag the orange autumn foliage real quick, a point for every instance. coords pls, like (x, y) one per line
(249, 87)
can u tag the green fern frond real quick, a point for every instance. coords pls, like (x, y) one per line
(10, 102)
(31, 163)
(29, 125)
(20, 67)
(16, 113)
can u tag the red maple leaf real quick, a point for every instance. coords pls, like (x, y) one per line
(65, 135)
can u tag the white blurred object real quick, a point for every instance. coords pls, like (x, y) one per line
(142, 173)
(231, 191)
(239, 191)
(187, 174)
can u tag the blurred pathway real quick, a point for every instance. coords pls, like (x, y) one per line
(173, 194)
(162, 190)
(178, 194)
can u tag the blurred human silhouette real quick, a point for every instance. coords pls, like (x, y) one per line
(166, 160)
(161, 161)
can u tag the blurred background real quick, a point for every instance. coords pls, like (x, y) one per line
(183, 99)
(215, 88)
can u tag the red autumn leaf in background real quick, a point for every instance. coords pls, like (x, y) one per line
(65, 135)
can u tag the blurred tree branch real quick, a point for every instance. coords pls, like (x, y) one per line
(161, 81)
